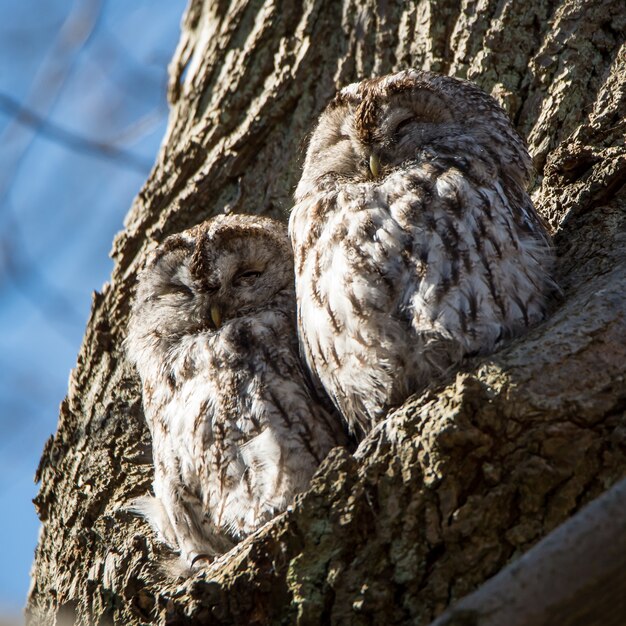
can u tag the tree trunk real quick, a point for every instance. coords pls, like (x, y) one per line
(461, 480)
(573, 577)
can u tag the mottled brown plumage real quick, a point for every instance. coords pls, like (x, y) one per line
(415, 241)
(237, 427)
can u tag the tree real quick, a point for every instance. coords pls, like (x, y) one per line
(460, 480)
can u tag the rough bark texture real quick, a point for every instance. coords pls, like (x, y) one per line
(458, 482)
(573, 577)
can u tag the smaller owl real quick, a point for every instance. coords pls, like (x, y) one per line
(415, 241)
(237, 427)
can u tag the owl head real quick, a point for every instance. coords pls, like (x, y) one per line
(373, 127)
(198, 280)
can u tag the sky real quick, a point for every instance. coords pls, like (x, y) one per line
(74, 75)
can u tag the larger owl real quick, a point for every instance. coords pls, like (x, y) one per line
(415, 241)
(237, 428)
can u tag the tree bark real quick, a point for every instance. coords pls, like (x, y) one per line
(458, 482)
(573, 577)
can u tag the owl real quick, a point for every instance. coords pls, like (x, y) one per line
(415, 242)
(237, 427)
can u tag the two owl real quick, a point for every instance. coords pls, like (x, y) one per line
(415, 245)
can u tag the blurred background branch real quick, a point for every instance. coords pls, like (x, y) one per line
(70, 140)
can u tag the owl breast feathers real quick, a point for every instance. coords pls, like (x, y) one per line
(415, 241)
(237, 428)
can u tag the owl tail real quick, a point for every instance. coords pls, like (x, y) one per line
(153, 511)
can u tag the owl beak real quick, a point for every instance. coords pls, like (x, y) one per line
(374, 165)
(216, 315)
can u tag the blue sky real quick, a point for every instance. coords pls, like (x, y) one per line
(90, 70)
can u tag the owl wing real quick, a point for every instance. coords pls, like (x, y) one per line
(479, 262)
(350, 277)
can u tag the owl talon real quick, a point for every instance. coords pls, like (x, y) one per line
(201, 557)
